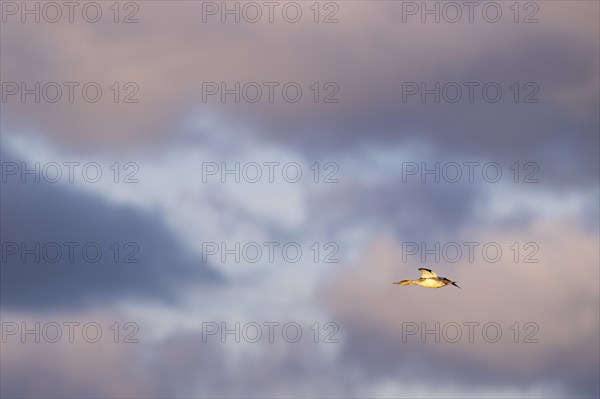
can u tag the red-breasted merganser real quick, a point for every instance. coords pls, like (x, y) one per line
(428, 280)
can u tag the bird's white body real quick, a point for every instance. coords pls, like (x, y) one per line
(430, 282)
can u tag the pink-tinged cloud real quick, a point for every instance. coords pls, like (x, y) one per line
(560, 294)
(369, 53)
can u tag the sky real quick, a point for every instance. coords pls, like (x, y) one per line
(213, 199)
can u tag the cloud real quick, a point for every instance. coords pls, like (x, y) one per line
(48, 213)
(558, 132)
(181, 365)
(559, 293)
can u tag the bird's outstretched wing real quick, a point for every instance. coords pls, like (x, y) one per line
(426, 273)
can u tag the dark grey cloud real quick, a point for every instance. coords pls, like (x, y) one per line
(45, 213)
(560, 132)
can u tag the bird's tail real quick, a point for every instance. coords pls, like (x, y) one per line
(403, 282)
(454, 284)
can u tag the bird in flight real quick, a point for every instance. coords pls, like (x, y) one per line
(428, 280)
